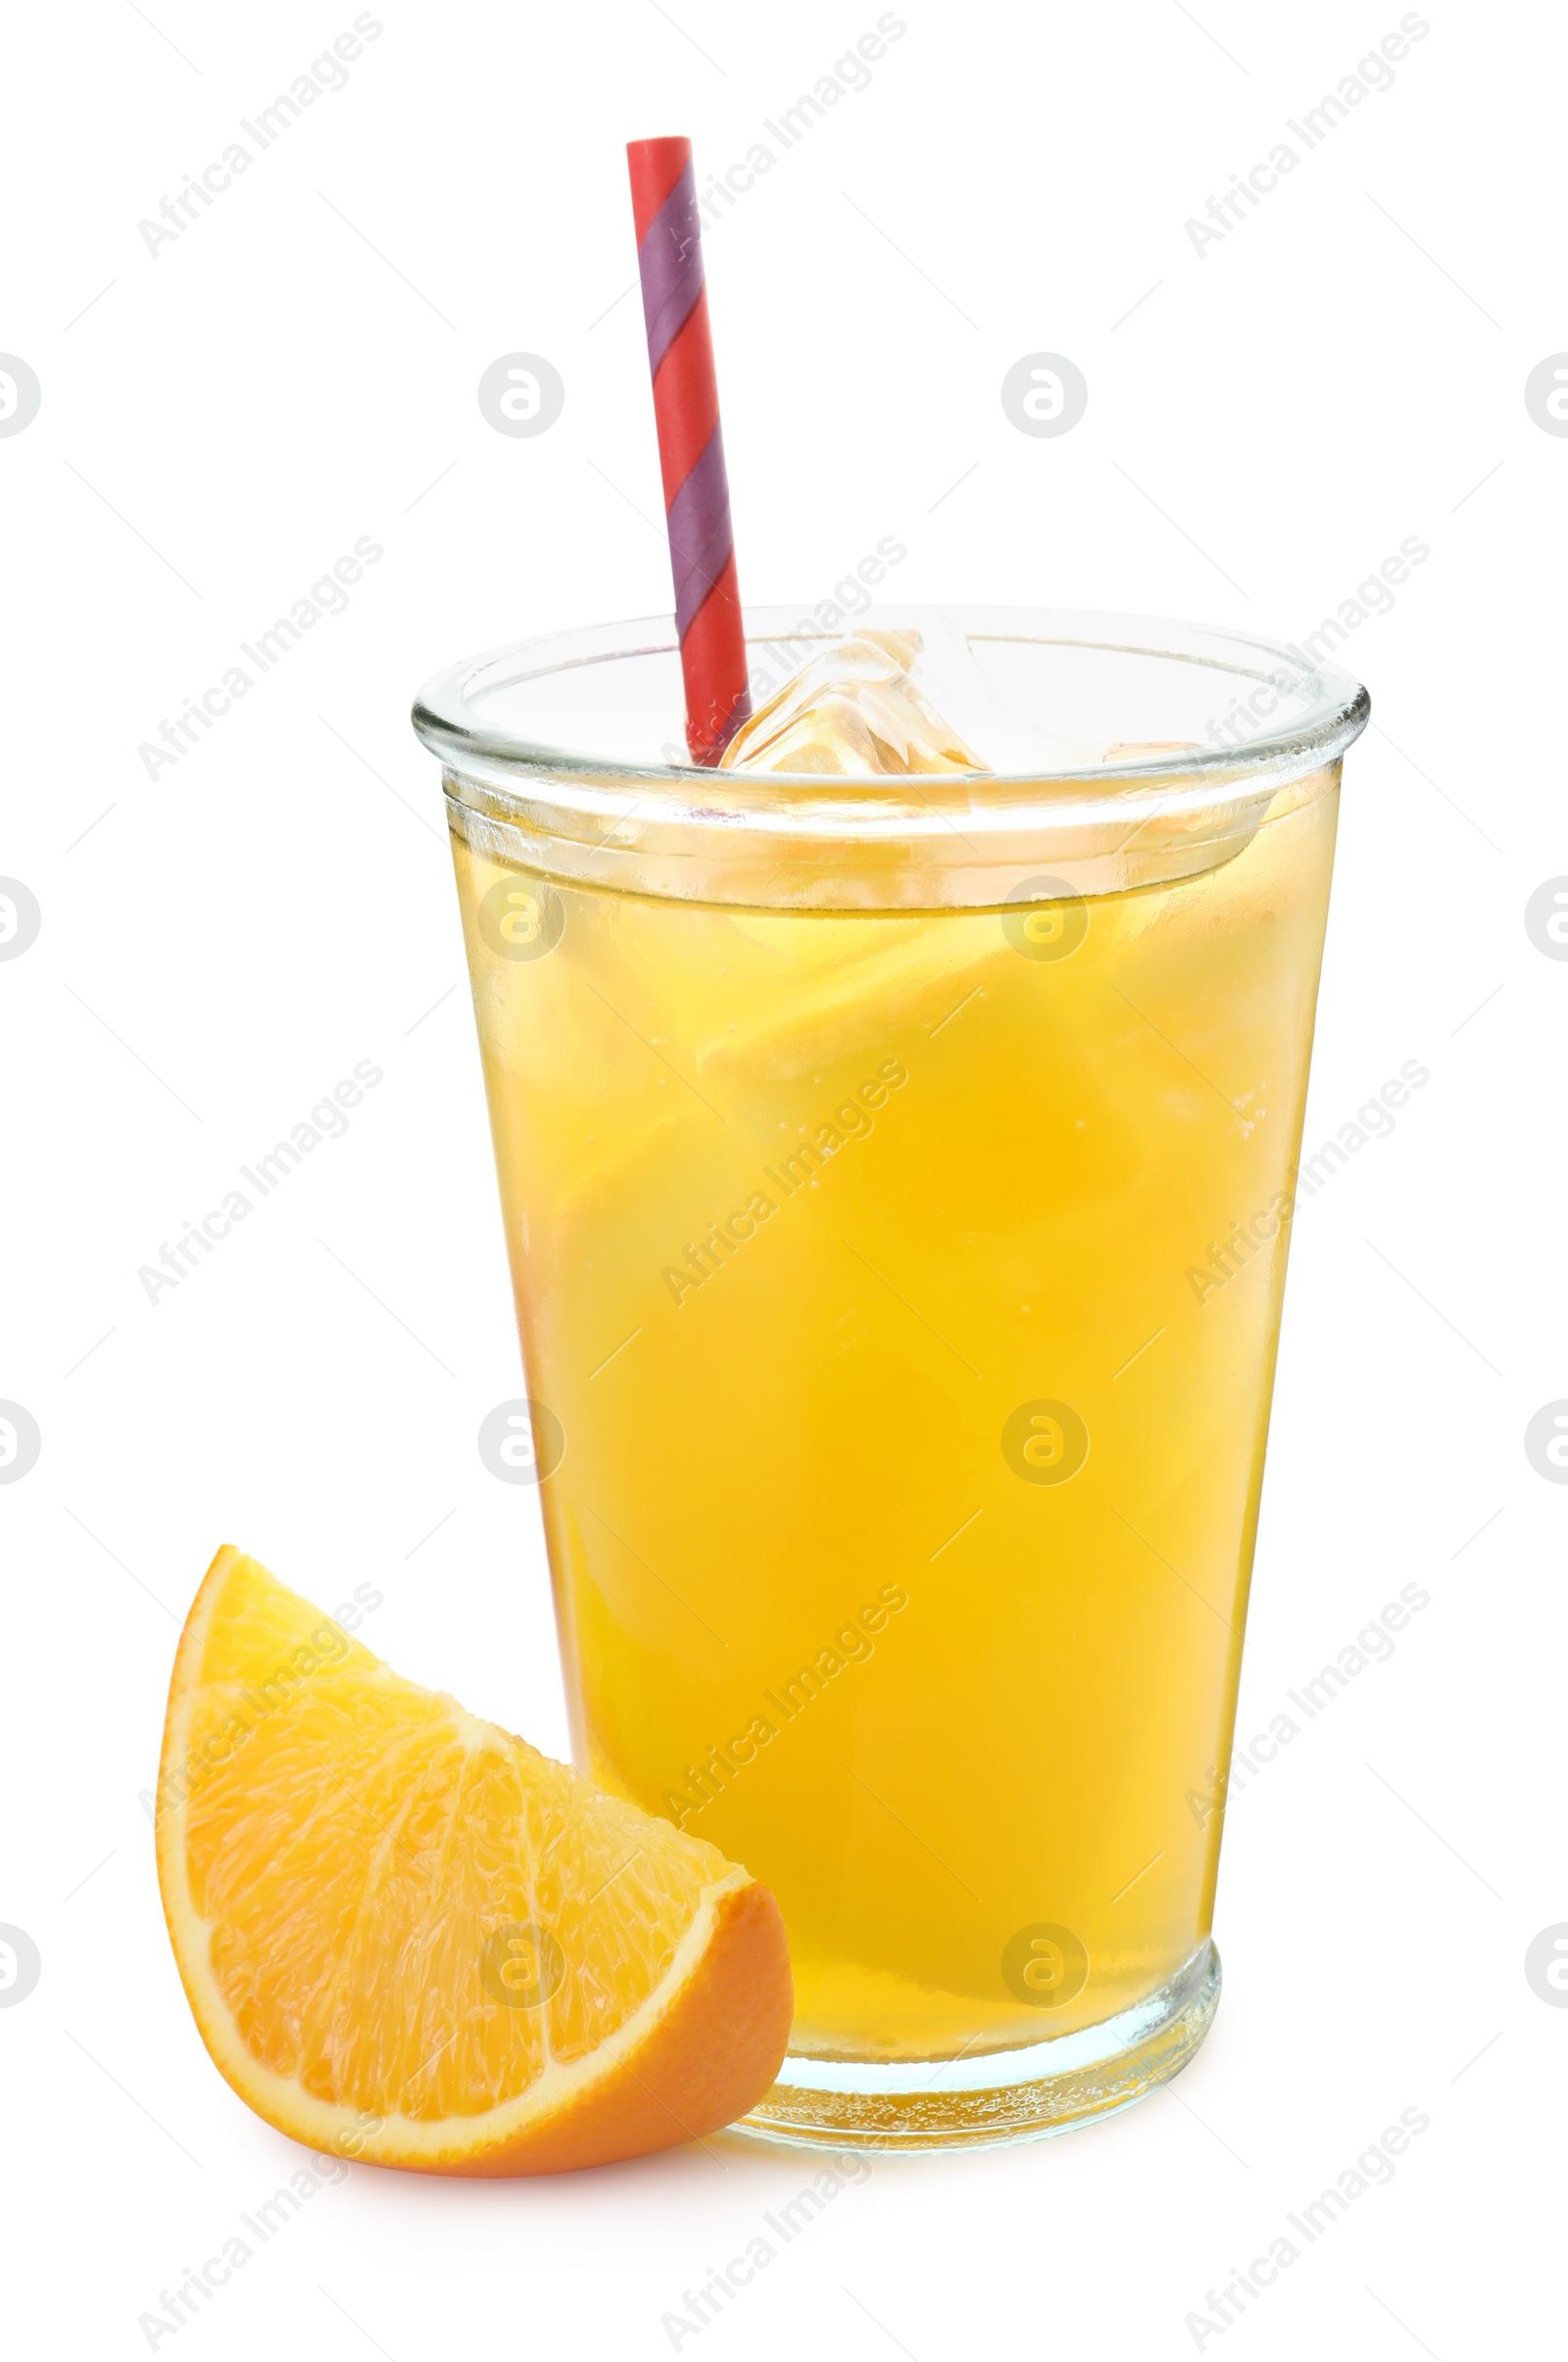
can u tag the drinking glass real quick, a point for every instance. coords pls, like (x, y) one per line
(898, 1177)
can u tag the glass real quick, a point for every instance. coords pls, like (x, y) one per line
(898, 1178)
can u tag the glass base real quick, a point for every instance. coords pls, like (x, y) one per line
(1004, 2095)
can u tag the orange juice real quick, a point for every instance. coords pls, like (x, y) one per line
(906, 1286)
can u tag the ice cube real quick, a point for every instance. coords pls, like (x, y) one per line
(852, 712)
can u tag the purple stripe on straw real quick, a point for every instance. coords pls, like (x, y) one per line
(700, 534)
(669, 262)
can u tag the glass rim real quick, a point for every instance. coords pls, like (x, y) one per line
(448, 719)
(774, 840)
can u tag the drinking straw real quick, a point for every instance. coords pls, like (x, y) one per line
(691, 444)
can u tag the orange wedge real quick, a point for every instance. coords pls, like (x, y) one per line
(407, 1938)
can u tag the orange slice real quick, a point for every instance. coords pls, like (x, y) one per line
(407, 1938)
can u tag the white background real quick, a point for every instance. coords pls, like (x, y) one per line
(1267, 421)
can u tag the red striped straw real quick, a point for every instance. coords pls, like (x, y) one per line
(691, 443)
